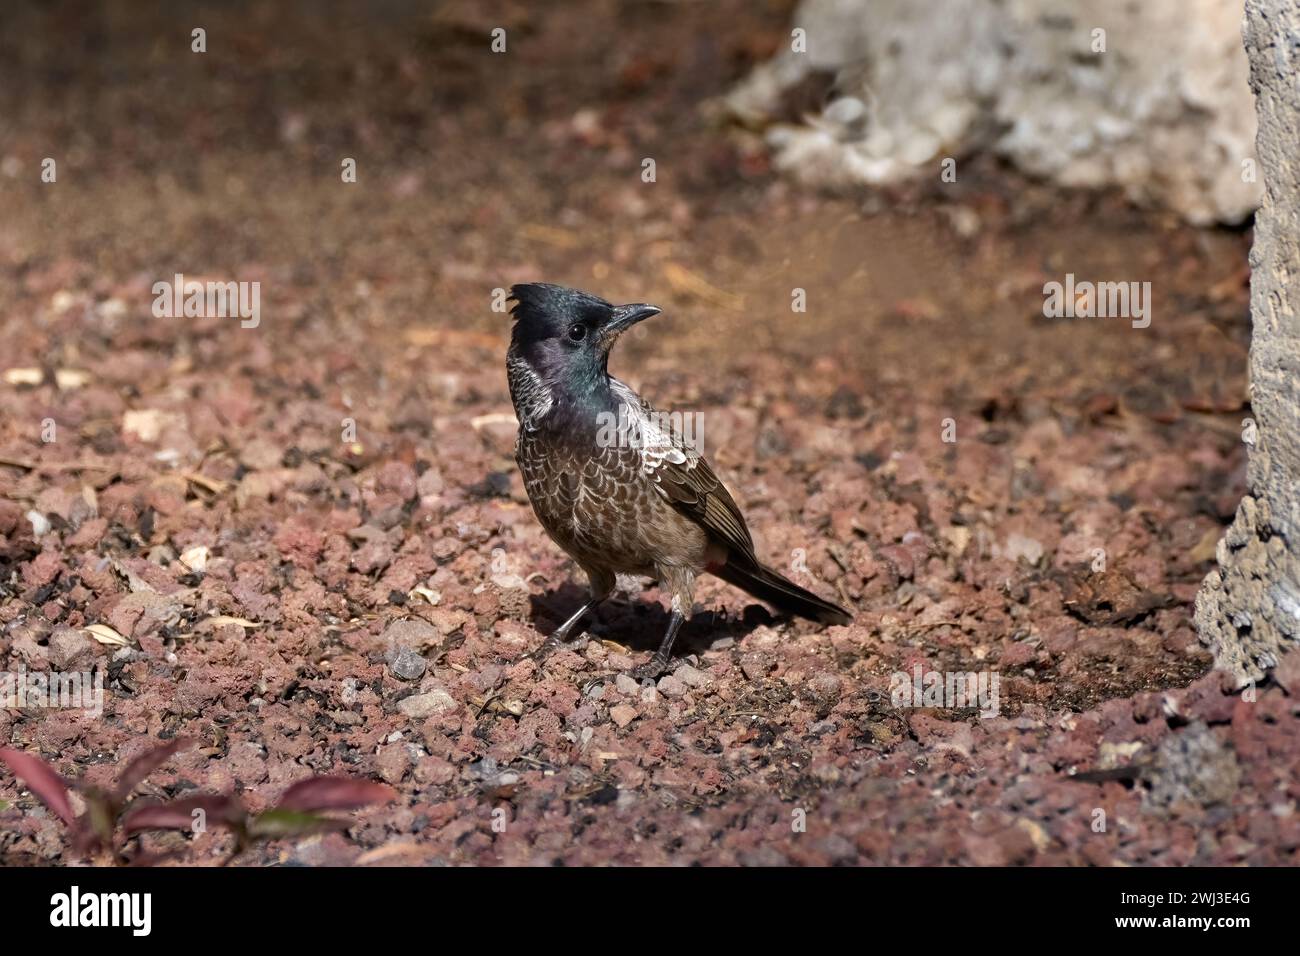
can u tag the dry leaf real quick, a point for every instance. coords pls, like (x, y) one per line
(550, 235)
(136, 583)
(221, 620)
(1207, 547)
(70, 378)
(106, 635)
(214, 485)
(452, 339)
(195, 558)
(391, 851)
(24, 376)
(430, 595)
(684, 280)
(478, 422)
(148, 423)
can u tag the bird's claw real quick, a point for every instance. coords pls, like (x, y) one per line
(651, 670)
(553, 644)
(598, 679)
(542, 651)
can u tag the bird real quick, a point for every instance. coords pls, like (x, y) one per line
(611, 481)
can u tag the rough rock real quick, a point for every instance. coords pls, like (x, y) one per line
(915, 82)
(1248, 611)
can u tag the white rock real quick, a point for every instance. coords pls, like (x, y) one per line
(419, 706)
(923, 78)
(40, 523)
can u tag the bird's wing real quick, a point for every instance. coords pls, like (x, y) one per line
(683, 476)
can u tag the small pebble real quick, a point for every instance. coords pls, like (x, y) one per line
(691, 676)
(755, 666)
(670, 686)
(405, 664)
(419, 706)
(626, 685)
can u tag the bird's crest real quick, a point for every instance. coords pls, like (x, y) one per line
(545, 299)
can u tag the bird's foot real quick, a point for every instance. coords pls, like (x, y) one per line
(652, 669)
(542, 651)
(595, 681)
(579, 643)
(554, 643)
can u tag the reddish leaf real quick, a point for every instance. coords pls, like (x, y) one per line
(218, 810)
(41, 779)
(334, 793)
(145, 764)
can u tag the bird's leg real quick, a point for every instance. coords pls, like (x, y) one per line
(683, 587)
(602, 585)
(659, 662)
(561, 633)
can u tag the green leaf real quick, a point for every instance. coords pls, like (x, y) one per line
(277, 823)
(101, 813)
(4, 805)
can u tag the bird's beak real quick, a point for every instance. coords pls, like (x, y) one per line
(626, 316)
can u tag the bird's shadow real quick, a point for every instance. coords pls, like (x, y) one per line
(639, 621)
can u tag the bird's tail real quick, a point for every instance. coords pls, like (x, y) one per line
(780, 592)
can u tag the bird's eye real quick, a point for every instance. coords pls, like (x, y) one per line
(577, 333)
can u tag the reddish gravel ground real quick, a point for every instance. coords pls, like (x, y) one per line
(365, 602)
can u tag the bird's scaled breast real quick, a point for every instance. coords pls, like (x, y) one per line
(601, 507)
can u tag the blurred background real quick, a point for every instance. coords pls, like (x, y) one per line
(477, 169)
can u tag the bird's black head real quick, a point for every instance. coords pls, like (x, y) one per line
(565, 335)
